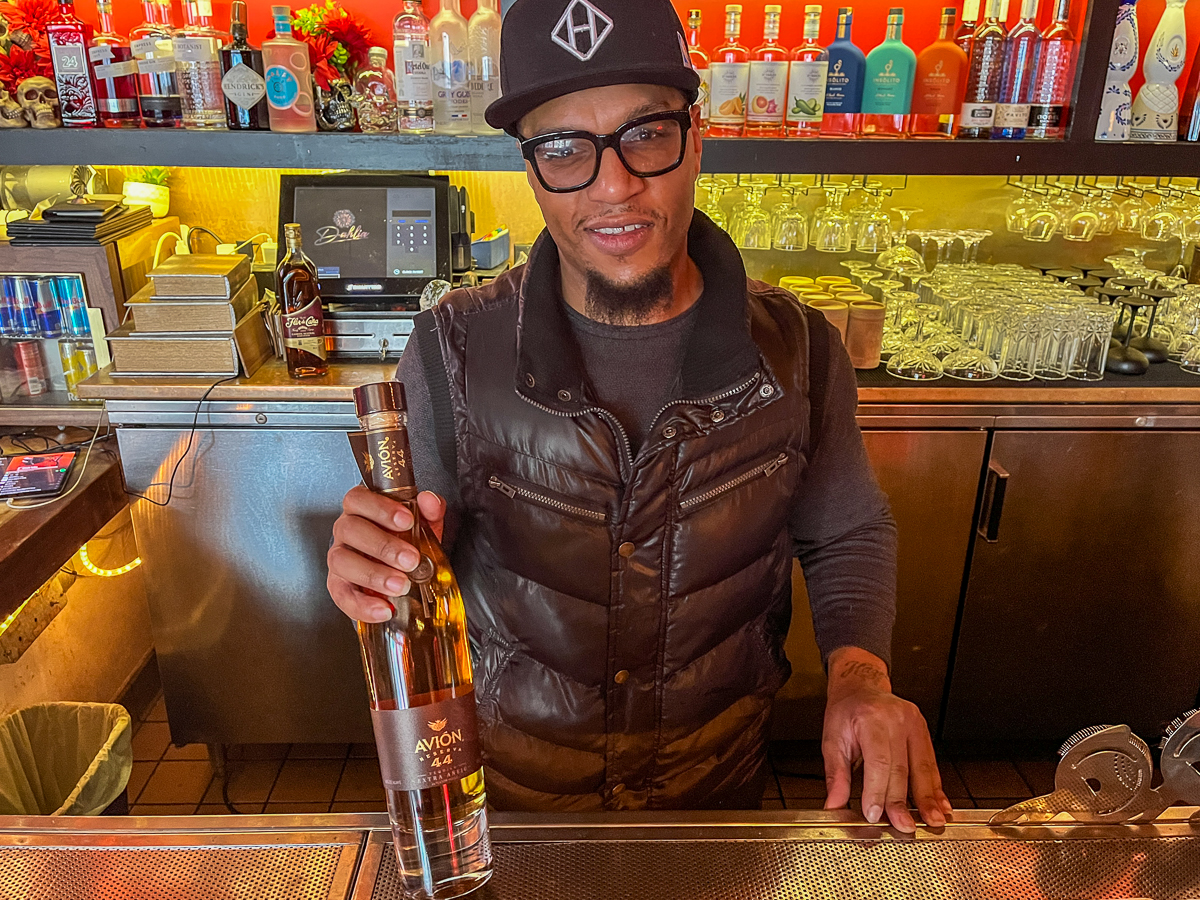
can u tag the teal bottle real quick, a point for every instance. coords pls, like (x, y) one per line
(888, 83)
(844, 82)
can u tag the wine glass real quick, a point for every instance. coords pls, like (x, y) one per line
(1042, 221)
(1160, 223)
(832, 232)
(972, 238)
(1017, 209)
(1129, 211)
(790, 229)
(1108, 211)
(1083, 222)
(754, 230)
(874, 233)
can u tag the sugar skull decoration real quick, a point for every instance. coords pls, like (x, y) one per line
(11, 114)
(39, 101)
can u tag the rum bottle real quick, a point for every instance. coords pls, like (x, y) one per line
(299, 295)
(767, 85)
(420, 684)
(114, 72)
(451, 90)
(197, 47)
(844, 85)
(414, 86)
(806, 80)
(700, 63)
(1054, 79)
(937, 90)
(68, 37)
(158, 89)
(483, 58)
(983, 75)
(1016, 84)
(289, 78)
(243, 79)
(888, 84)
(729, 73)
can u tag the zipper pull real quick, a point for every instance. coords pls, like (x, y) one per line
(497, 484)
(775, 464)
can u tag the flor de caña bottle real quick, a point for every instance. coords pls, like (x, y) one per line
(421, 687)
(299, 295)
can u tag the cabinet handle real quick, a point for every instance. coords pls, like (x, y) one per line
(993, 503)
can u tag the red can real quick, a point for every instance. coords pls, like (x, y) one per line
(32, 368)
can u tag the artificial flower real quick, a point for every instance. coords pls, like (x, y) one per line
(19, 64)
(28, 17)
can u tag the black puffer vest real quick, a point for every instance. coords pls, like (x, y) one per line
(628, 612)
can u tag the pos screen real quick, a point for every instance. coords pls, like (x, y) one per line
(370, 236)
(34, 474)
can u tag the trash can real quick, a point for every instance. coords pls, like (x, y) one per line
(64, 759)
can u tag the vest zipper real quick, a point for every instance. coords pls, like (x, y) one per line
(766, 469)
(722, 396)
(603, 413)
(511, 491)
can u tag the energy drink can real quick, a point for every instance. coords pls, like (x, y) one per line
(72, 365)
(73, 305)
(49, 316)
(8, 326)
(32, 368)
(24, 307)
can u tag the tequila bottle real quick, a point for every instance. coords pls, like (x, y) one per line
(158, 89)
(699, 61)
(983, 75)
(1189, 111)
(451, 90)
(289, 78)
(937, 90)
(729, 74)
(888, 84)
(1117, 100)
(114, 72)
(68, 37)
(375, 94)
(806, 80)
(767, 85)
(414, 86)
(844, 85)
(197, 46)
(1156, 107)
(243, 79)
(1016, 84)
(1055, 77)
(483, 40)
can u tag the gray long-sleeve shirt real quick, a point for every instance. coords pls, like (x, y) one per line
(841, 527)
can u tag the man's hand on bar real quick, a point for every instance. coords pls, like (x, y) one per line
(368, 555)
(865, 721)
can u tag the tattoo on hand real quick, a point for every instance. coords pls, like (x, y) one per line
(865, 672)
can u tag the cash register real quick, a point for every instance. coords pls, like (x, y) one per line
(377, 241)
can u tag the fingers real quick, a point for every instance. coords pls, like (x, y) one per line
(383, 511)
(926, 779)
(897, 787)
(360, 572)
(355, 604)
(433, 508)
(375, 543)
(877, 765)
(838, 767)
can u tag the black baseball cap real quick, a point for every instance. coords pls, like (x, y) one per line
(549, 48)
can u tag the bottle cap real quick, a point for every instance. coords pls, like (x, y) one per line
(733, 7)
(812, 8)
(773, 9)
(896, 11)
(377, 53)
(237, 12)
(382, 396)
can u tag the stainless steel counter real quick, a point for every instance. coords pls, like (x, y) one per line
(679, 856)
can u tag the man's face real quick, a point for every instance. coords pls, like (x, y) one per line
(582, 223)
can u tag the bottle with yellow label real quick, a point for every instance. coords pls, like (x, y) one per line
(767, 85)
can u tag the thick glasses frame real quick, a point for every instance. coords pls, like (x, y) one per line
(603, 141)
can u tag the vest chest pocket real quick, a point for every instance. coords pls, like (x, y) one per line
(515, 490)
(764, 469)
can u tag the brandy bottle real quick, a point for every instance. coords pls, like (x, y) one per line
(299, 295)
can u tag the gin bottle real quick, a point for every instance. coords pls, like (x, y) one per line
(68, 37)
(983, 75)
(451, 90)
(1054, 79)
(844, 84)
(937, 89)
(806, 80)
(888, 84)
(483, 57)
(158, 89)
(375, 94)
(243, 79)
(114, 72)
(414, 87)
(197, 46)
(1156, 107)
(699, 61)
(289, 78)
(729, 79)
(420, 684)
(1016, 84)
(1117, 100)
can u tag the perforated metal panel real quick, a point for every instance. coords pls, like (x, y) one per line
(1159, 868)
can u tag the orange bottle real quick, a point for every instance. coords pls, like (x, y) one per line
(938, 88)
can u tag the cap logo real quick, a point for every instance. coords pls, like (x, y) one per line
(581, 29)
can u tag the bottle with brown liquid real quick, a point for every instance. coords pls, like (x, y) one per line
(303, 318)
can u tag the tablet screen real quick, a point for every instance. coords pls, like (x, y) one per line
(35, 473)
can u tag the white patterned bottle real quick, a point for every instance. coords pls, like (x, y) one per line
(1115, 103)
(1156, 108)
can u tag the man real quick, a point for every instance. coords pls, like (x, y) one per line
(629, 441)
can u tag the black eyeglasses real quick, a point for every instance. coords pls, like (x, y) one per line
(566, 161)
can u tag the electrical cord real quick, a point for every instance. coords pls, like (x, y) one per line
(158, 246)
(201, 228)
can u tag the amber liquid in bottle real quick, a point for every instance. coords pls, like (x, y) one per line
(421, 686)
(299, 295)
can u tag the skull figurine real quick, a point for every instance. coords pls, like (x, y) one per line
(11, 114)
(39, 99)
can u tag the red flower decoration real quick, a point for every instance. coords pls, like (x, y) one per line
(20, 64)
(320, 55)
(29, 16)
(351, 32)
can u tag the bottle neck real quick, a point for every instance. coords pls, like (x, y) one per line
(1062, 11)
(694, 36)
(1029, 10)
(993, 11)
(197, 14)
(104, 13)
(733, 28)
(812, 27)
(895, 30)
(239, 32)
(294, 245)
(844, 27)
(391, 470)
(283, 28)
(451, 6)
(946, 32)
(162, 13)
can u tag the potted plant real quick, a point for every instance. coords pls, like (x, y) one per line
(149, 188)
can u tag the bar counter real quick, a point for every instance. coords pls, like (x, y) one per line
(664, 856)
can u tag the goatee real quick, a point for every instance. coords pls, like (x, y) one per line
(627, 303)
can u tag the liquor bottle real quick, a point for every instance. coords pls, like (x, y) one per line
(983, 75)
(1116, 103)
(414, 87)
(158, 89)
(729, 79)
(806, 80)
(1054, 78)
(965, 35)
(1016, 84)
(114, 72)
(888, 83)
(451, 92)
(483, 57)
(767, 85)
(844, 86)
(1155, 115)
(700, 63)
(289, 78)
(937, 90)
(1189, 110)
(299, 295)
(420, 684)
(197, 47)
(243, 78)
(375, 94)
(68, 36)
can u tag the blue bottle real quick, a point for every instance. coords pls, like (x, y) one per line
(24, 307)
(844, 83)
(49, 317)
(69, 291)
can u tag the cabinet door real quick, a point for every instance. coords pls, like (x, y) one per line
(1086, 607)
(931, 479)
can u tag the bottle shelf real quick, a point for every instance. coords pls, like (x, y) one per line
(373, 152)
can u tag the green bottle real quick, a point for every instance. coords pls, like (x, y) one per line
(887, 91)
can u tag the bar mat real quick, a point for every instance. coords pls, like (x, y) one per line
(1162, 375)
